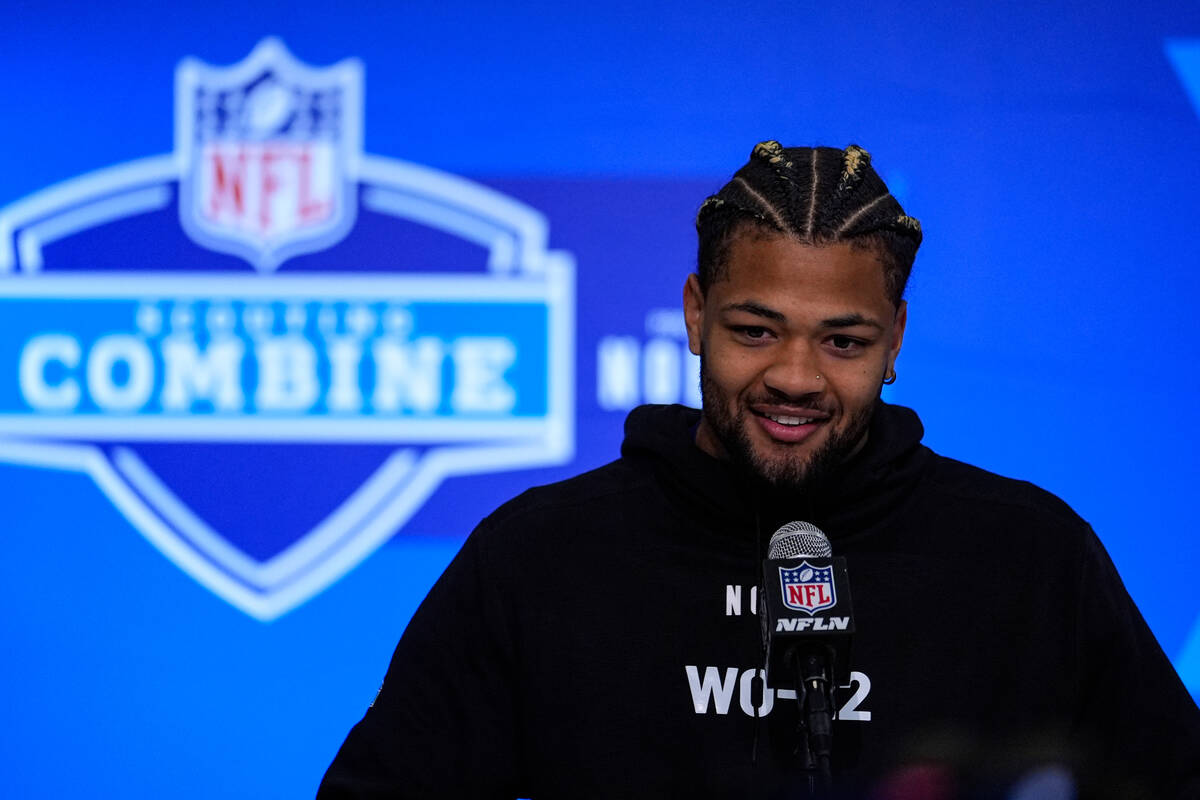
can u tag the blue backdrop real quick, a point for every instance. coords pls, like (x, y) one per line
(207, 562)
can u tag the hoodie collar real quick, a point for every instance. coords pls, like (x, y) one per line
(854, 500)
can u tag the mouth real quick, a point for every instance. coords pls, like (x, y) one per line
(789, 421)
(789, 426)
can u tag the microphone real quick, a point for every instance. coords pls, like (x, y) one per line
(807, 623)
(799, 539)
(806, 602)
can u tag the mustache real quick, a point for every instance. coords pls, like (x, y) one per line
(810, 400)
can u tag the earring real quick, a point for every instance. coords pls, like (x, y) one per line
(890, 379)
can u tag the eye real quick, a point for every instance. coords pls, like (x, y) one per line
(754, 333)
(846, 345)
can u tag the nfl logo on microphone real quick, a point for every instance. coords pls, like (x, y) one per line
(268, 348)
(807, 588)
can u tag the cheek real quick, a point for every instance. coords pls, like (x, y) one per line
(855, 383)
(730, 375)
(740, 371)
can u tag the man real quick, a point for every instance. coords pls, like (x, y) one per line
(598, 637)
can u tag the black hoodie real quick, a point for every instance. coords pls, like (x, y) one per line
(598, 638)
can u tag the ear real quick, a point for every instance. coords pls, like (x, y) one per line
(693, 312)
(897, 334)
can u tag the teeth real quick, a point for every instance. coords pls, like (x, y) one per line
(790, 420)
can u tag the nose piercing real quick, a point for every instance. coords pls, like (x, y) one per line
(818, 377)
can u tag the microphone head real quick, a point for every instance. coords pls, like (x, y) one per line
(798, 540)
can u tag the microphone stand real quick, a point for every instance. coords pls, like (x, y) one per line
(814, 695)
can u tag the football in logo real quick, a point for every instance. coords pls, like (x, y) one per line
(268, 348)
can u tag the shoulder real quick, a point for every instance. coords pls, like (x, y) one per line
(962, 482)
(597, 495)
(976, 510)
(597, 518)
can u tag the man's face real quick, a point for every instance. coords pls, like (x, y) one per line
(794, 344)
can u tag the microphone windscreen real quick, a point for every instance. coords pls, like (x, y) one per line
(799, 540)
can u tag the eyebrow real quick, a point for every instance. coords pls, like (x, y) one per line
(756, 309)
(844, 321)
(850, 321)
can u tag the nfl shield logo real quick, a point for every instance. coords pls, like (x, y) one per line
(268, 154)
(807, 588)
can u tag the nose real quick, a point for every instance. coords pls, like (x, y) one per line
(796, 372)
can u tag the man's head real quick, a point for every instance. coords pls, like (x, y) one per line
(817, 195)
(796, 309)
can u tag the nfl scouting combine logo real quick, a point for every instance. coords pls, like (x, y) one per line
(268, 348)
(807, 588)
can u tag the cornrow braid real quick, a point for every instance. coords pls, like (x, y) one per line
(854, 159)
(819, 195)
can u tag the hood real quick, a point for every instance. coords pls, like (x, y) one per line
(856, 498)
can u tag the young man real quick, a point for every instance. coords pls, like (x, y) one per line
(597, 637)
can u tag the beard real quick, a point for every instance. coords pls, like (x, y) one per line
(783, 472)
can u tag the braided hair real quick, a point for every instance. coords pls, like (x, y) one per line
(818, 195)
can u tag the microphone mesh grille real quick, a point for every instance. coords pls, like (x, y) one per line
(797, 540)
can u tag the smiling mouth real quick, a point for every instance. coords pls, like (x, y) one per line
(789, 421)
(789, 427)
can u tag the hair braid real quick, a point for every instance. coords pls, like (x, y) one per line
(836, 196)
(764, 203)
(811, 221)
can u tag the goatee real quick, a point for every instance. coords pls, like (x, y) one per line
(781, 474)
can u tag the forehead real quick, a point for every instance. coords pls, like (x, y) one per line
(780, 269)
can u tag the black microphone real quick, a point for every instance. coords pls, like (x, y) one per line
(807, 622)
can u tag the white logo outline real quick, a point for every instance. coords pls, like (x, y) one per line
(515, 237)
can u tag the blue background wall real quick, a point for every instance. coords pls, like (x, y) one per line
(1052, 153)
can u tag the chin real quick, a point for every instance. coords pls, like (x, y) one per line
(784, 472)
(786, 477)
(786, 467)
